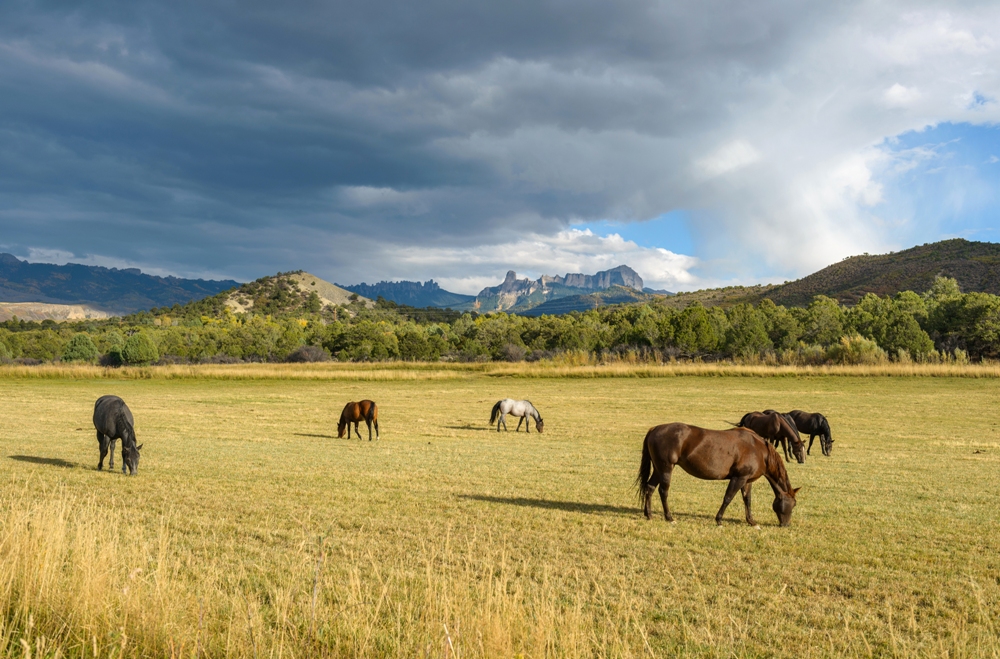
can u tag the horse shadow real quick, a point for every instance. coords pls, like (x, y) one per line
(591, 508)
(34, 459)
(548, 504)
(307, 434)
(469, 426)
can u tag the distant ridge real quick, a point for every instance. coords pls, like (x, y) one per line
(411, 293)
(105, 289)
(612, 295)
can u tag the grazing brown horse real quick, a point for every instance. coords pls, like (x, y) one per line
(738, 455)
(773, 427)
(355, 413)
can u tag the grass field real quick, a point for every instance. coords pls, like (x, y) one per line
(252, 531)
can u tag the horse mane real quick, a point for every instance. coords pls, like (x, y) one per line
(775, 467)
(122, 423)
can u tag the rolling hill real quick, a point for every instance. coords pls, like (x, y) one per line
(976, 266)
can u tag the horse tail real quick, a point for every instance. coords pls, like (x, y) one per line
(495, 412)
(372, 413)
(734, 425)
(645, 469)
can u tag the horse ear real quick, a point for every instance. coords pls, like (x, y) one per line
(139, 447)
(795, 490)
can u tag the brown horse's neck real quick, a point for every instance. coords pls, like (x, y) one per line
(775, 472)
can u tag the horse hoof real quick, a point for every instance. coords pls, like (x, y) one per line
(757, 526)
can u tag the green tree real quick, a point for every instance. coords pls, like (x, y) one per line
(747, 333)
(694, 331)
(782, 327)
(80, 348)
(824, 321)
(139, 349)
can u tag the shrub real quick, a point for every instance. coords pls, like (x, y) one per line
(139, 349)
(80, 348)
(512, 352)
(856, 349)
(308, 354)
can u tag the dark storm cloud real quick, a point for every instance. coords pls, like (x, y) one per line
(244, 138)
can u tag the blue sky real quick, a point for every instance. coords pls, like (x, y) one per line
(943, 182)
(703, 143)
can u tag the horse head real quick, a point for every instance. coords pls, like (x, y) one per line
(539, 424)
(783, 504)
(799, 450)
(131, 466)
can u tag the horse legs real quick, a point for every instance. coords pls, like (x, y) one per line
(102, 442)
(784, 446)
(503, 420)
(369, 424)
(519, 421)
(664, 490)
(735, 485)
(746, 503)
(111, 452)
(809, 450)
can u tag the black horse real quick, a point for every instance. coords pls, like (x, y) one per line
(114, 421)
(817, 426)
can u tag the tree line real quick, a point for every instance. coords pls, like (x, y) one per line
(942, 324)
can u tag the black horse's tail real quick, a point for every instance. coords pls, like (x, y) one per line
(645, 470)
(495, 412)
(372, 411)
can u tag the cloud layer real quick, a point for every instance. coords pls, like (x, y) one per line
(387, 139)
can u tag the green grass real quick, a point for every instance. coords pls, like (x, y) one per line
(252, 531)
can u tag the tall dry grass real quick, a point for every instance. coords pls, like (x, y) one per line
(571, 365)
(77, 581)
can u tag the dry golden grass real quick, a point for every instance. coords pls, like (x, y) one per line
(251, 531)
(569, 366)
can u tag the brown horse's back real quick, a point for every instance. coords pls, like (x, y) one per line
(707, 454)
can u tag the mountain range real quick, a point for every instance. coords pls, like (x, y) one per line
(113, 290)
(513, 294)
(97, 291)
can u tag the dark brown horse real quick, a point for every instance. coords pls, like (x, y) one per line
(355, 413)
(738, 455)
(773, 427)
(817, 426)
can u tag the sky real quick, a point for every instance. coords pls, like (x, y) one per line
(702, 143)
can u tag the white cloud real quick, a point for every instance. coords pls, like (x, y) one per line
(899, 96)
(728, 158)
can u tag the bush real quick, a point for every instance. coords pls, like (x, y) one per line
(139, 349)
(80, 348)
(856, 349)
(512, 352)
(308, 354)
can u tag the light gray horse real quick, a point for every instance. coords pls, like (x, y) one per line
(521, 408)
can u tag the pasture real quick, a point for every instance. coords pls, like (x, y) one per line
(251, 531)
